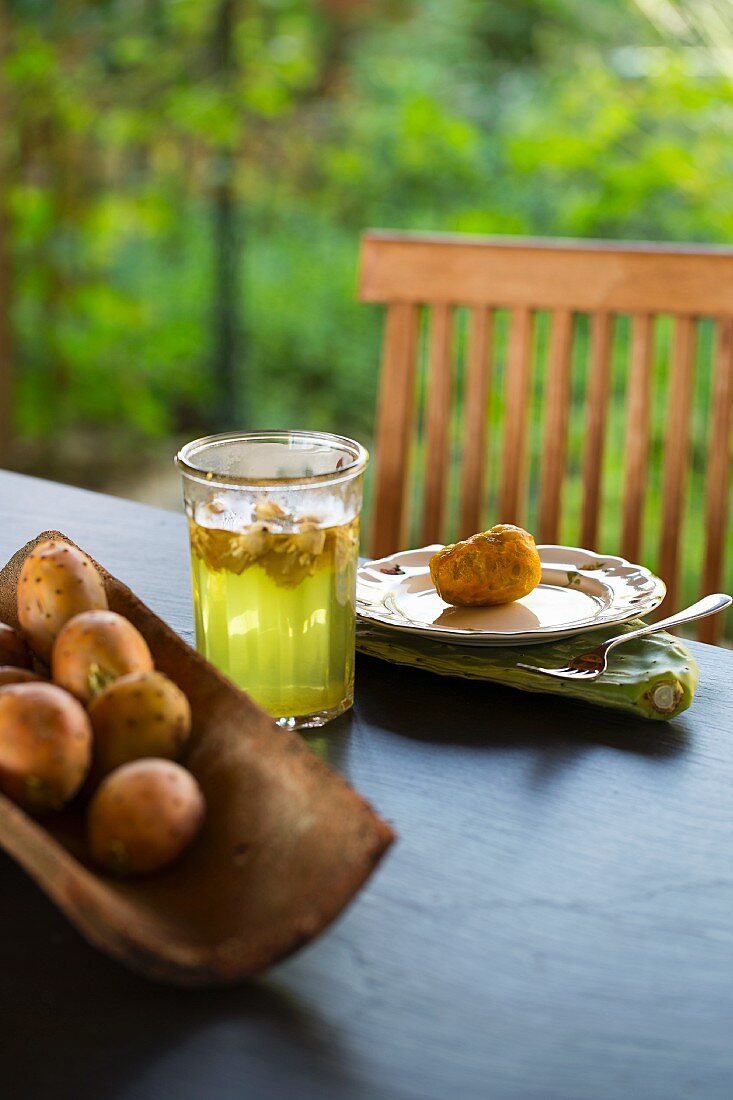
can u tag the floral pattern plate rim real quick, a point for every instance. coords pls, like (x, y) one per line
(580, 590)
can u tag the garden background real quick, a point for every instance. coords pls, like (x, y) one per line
(183, 184)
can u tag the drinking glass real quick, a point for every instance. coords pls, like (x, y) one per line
(274, 527)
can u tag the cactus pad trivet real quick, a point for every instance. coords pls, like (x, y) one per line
(654, 677)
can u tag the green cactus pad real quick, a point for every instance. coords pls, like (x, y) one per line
(653, 677)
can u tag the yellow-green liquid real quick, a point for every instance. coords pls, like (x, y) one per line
(282, 625)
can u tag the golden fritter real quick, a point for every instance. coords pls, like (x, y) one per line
(493, 567)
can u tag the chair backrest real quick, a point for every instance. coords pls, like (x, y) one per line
(594, 333)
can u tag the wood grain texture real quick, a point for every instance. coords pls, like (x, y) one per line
(718, 475)
(393, 434)
(437, 422)
(555, 921)
(517, 390)
(597, 395)
(592, 276)
(676, 456)
(557, 412)
(476, 400)
(638, 411)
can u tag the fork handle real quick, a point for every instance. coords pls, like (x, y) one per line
(708, 605)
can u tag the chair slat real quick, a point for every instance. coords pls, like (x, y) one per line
(555, 443)
(413, 274)
(514, 451)
(513, 272)
(637, 433)
(676, 449)
(437, 420)
(718, 467)
(599, 377)
(476, 398)
(395, 417)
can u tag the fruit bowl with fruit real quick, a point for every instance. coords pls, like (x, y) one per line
(165, 814)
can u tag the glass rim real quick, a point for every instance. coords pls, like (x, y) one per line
(201, 473)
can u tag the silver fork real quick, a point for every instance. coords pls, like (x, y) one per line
(590, 665)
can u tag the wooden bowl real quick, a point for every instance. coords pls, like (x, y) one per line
(285, 845)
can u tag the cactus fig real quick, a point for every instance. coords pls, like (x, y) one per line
(142, 714)
(492, 567)
(143, 816)
(57, 581)
(95, 648)
(45, 746)
(13, 649)
(9, 674)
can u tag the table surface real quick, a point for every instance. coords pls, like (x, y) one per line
(554, 921)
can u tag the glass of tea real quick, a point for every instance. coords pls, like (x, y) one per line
(274, 525)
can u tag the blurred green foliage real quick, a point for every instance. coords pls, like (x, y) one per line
(565, 117)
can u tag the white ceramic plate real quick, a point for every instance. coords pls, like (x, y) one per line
(579, 591)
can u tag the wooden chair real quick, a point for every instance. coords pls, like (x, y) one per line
(434, 284)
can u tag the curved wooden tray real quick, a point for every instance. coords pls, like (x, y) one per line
(286, 842)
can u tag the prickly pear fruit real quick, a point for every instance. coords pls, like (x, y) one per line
(45, 746)
(95, 648)
(142, 714)
(56, 582)
(13, 649)
(143, 816)
(9, 674)
(492, 567)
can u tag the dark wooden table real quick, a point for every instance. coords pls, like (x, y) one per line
(556, 920)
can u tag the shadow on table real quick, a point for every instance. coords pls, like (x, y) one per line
(426, 707)
(77, 1025)
(331, 742)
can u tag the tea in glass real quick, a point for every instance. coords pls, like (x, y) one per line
(274, 529)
